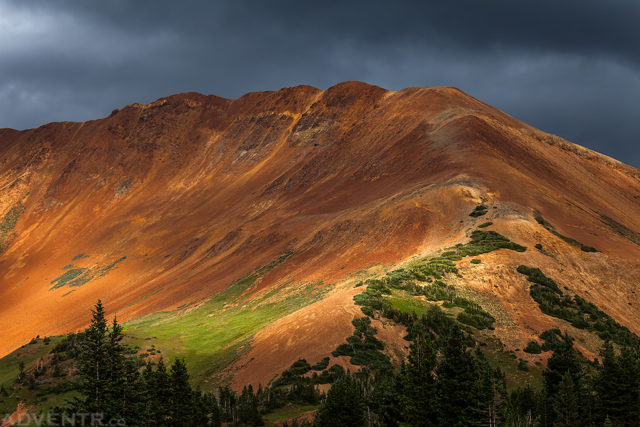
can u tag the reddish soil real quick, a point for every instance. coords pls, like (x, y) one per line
(311, 333)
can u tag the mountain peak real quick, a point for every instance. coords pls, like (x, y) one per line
(164, 205)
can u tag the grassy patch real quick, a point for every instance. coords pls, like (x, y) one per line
(80, 276)
(485, 224)
(279, 415)
(508, 363)
(48, 393)
(424, 278)
(69, 277)
(406, 303)
(7, 225)
(214, 334)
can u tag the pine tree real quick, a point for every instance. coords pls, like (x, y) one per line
(150, 403)
(227, 404)
(213, 409)
(565, 405)
(248, 413)
(629, 387)
(563, 362)
(564, 359)
(93, 366)
(419, 385)
(343, 406)
(117, 397)
(180, 400)
(385, 398)
(457, 374)
(161, 393)
(488, 392)
(21, 378)
(522, 407)
(610, 401)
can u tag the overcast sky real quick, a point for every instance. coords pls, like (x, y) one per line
(567, 67)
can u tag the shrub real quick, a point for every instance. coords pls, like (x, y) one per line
(523, 365)
(535, 275)
(475, 261)
(533, 347)
(575, 310)
(363, 347)
(321, 365)
(474, 315)
(485, 224)
(479, 211)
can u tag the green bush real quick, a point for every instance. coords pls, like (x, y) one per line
(535, 275)
(575, 310)
(321, 365)
(363, 347)
(473, 314)
(479, 211)
(533, 347)
(485, 224)
(475, 261)
(477, 320)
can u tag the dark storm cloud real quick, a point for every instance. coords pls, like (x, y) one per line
(568, 67)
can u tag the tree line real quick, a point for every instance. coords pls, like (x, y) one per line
(446, 380)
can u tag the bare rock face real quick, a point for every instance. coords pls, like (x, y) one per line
(163, 204)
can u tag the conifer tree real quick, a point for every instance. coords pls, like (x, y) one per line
(181, 394)
(117, 397)
(488, 392)
(94, 365)
(564, 362)
(20, 379)
(150, 403)
(248, 413)
(565, 404)
(161, 392)
(343, 406)
(418, 399)
(564, 359)
(610, 402)
(457, 374)
(386, 396)
(630, 366)
(522, 406)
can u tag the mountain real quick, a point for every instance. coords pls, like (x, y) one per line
(234, 231)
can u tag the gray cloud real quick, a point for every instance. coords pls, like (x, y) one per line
(571, 67)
